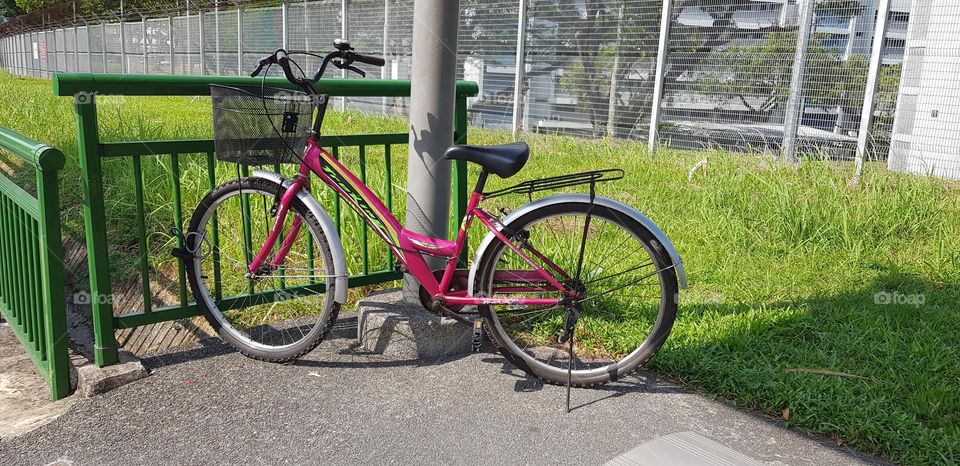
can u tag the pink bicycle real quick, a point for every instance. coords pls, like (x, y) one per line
(566, 268)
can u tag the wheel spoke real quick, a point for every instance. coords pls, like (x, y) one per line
(613, 270)
(276, 311)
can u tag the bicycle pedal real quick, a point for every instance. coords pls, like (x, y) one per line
(477, 335)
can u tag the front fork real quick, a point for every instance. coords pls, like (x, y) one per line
(279, 211)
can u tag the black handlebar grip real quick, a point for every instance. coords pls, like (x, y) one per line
(256, 71)
(375, 61)
(284, 63)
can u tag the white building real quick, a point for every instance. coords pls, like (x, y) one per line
(926, 133)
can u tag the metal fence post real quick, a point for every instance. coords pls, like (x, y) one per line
(89, 50)
(123, 47)
(143, 35)
(870, 93)
(76, 48)
(216, 34)
(95, 224)
(794, 111)
(103, 45)
(345, 35)
(173, 54)
(284, 17)
(384, 72)
(240, 41)
(521, 63)
(188, 65)
(663, 48)
(306, 32)
(29, 46)
(203, 58)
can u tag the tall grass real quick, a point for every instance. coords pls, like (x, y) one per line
(789, 267)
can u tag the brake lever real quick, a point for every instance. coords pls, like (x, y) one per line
(355, 70)
(256, 71)
(347, 66)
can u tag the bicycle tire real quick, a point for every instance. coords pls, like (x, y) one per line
(665, 317)
(206, 302)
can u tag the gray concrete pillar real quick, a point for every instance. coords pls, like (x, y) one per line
(433, 93)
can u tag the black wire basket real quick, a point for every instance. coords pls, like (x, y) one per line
(258, 125)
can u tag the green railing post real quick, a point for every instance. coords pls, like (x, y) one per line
(95, 225)
(49, 163)
(460, 190)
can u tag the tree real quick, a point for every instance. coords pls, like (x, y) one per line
(9, 9)
(606, 42)
(759, 75)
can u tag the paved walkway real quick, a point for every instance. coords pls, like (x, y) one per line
(338, 405)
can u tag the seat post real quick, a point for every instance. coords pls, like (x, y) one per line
(481, 181)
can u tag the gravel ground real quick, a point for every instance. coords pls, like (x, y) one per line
(209, 405)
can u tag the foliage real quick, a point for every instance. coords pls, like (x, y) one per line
(843, 8)
(32, 5)
(759, 75)
(9, 9)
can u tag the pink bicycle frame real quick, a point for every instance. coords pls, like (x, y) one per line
(409, 246)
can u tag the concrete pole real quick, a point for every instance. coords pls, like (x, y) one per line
(795, 100)
(521, 66)
(783, 13)
(432, 97)
(870, 94)
(666, 16)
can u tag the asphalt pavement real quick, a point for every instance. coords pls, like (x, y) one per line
(340, 405)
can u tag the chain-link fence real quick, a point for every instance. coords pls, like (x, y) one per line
(769, 76)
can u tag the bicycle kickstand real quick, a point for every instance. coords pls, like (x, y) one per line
(573, 315)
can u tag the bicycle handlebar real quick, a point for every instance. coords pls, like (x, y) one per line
(345, 56)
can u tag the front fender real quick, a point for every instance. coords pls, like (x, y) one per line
(329, 230)
(585, 199)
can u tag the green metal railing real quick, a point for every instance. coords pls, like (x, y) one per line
(93, 152)
(31, 261)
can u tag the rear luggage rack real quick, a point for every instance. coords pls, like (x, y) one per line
(557, 182)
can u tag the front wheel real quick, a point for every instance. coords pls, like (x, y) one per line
(280, 313)
(627, 284)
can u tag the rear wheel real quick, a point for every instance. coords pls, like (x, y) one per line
(628, 288)
(279, 314)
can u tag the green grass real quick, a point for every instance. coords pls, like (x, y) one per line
(784, 265)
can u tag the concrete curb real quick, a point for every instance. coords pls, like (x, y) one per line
(93, 380)
(389, 326)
